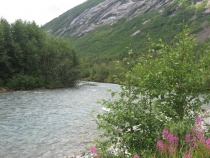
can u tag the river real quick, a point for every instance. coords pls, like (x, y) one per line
(50, 123)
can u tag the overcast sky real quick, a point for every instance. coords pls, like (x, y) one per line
(40, 11)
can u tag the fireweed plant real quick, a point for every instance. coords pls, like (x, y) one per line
(195, 145)
(162, 89)
(93, 151)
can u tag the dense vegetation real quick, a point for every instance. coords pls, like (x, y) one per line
(109, 42)
(101, 47)
(161, 92)
(29, 58)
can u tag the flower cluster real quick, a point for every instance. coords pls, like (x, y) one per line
(195, 140)
(195, 144)
(169, 142)
(93, 151)
(136, 156)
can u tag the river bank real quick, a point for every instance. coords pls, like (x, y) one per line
(78, 83)
(2, 90)
(5, 89)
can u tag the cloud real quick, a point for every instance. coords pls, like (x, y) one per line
(40, 11)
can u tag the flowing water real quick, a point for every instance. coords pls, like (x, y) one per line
(50, 123)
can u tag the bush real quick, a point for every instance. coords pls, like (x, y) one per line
(162, 89)
(24, 82)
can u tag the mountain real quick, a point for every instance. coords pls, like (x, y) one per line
(106, 27)
(107, 12)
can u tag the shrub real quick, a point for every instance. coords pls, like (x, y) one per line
(162, 88)
(194, 144)
(24, 82)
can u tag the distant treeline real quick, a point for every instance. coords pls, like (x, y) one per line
(30, 58)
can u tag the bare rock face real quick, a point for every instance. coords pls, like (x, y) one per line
(109, 12)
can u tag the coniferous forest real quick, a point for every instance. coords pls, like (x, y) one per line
(31, 58)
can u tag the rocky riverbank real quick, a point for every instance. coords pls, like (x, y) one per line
(85, 154)
(82, 155)
(2, 90)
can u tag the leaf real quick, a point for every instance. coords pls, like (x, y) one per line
(130, 52)
(113, 94)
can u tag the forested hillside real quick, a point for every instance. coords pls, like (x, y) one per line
(30, 58)
(106, 36)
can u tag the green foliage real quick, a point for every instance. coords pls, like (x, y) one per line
(6, 46)
(107, 43)
(60, 64)
(29, 58)
(195, 144)
(24, 82)
(161, 90)
(1, 83)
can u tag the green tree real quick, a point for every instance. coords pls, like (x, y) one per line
(6, 47)
(60, 63)
(158, 91)
(30, 58)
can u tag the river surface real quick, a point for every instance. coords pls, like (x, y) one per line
(50, 123)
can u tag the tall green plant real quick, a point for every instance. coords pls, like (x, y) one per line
(162, 89)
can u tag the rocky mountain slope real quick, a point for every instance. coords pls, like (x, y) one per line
(109, 12)
(107, 26)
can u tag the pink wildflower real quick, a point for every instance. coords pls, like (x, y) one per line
(165, 133)
(136, 156)
(170, 149)
(208, 143)
(203, 140)
(160, 144)
(187, 137)
(198, 121)
(200, 136)
(187, 155)
(194, 141)
(172, 138)
(194, 129)
(93, 150)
